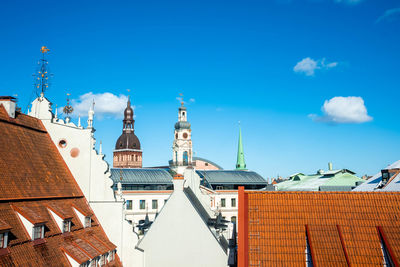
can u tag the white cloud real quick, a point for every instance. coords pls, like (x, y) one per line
(106, 105)
(341, 109)
(389, 14)
(308, 66)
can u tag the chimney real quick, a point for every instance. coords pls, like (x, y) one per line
(330, 166)
(9, 104)
(178, 182)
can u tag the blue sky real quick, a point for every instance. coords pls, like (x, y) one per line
(311, 81)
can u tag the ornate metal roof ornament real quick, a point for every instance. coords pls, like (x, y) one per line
(68, 109)
(42, 75)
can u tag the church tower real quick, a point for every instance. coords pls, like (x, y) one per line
(240, 163)
(182, 145)
(127, 153)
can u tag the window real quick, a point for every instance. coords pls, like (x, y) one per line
(88, 221)
(66, 226)
(129, 204)
(220, 187)
(154, 204)
(111, 256)
(142, 204)
(102, 260)
(62, 143)
(165, 200)
(38, 232)
(223, 204)
(185, 158)
(94, 262)
(3, 239)
(233, 202)
(233, 219)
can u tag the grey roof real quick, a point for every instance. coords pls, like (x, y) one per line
(231, 177)
(141, 176)
(209, 161)
(372, 183)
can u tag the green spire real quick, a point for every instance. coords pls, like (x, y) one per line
(240, 163)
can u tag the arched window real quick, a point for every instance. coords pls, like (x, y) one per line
(185, 158)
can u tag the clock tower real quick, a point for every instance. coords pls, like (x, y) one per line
(182, 145)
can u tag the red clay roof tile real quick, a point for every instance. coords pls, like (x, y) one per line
(34, 178)
(276, 227)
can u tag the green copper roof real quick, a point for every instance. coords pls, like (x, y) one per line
(240, 163)
(338, 180)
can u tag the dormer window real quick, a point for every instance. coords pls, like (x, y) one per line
(88, 221)
(66, 226)
(84, 217)
(38, 232)
(3, 239)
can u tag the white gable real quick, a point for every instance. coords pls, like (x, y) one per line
(180, 237)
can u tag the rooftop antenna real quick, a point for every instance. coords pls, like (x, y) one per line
(42, 75)
(68, 109)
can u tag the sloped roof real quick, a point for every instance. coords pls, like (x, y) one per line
(231, 177)
(34, 179)
(342, 226)
(338, 179)
(24, 253)
(141, 176)
(372, 183)
(30, 164)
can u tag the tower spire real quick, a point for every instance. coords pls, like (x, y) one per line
(42, 76)
(240, 163)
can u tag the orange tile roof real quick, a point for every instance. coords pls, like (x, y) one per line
(34, 179)
(341, 227)
(4, 225)
(30, 164)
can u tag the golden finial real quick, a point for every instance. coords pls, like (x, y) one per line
(181, 95)
(44, 49)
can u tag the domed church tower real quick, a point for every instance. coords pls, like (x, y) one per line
(182, 145)
(127, 153)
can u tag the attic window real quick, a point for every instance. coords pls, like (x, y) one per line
(38, 232)
(3, 239)
(62, 143)
(66, 226)
(88, 221)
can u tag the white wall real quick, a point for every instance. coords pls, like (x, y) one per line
(92, 175)
(180, 237)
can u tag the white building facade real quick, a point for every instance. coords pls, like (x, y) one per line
(76, 145)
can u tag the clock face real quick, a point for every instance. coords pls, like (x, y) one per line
(185, 135)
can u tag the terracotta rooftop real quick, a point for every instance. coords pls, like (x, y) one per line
(34, 180)
(4, 225)
(30, 164)
(342, 228)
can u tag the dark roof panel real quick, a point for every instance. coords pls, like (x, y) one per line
(141, 176)
(231, 177)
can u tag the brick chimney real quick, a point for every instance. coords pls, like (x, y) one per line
(9, 104)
